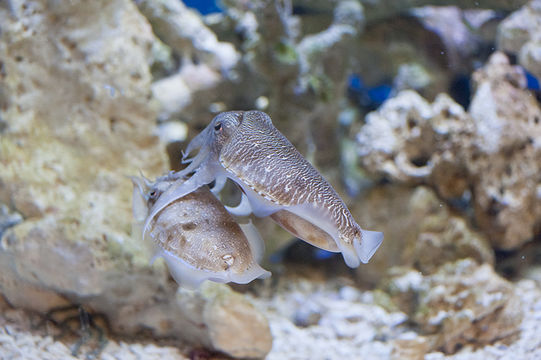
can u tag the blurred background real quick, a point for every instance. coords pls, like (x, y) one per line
(426, 119)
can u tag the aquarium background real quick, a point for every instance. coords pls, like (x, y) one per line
(424, 116)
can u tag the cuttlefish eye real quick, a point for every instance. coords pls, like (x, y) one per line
(218, 127)
(153, 194)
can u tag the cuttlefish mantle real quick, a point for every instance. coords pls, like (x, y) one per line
(196, 236)
(276, 181)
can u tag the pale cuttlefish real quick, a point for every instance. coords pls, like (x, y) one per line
(276, 181)
(197, 237)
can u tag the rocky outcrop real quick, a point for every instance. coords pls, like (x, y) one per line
(462, 303)
(520, 34)
(78, 118)
(421, 232)
(486, 156)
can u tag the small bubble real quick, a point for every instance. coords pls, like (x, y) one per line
(523, 257)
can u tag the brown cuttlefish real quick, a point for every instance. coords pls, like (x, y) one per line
(276, 181)
(197, 237)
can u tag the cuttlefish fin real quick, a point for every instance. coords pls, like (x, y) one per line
(368, 244)
(349, 254)
(248, 275)
(242, 209)
(185, 275)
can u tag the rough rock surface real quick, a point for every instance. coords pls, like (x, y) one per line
(462, 303)
(78, 118)
(489, 154)
(379, 9)
(520, 34)
(348, 323)
(65, 156)
(227, 321)
(204, 59)
(423, 234)
(298, 78)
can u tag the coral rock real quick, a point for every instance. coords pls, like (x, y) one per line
(75, 89)
(424, 233)
(520, 33)
(492, 150)
(462, 303)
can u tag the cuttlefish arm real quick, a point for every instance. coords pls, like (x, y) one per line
(204, 166)
(139, 199)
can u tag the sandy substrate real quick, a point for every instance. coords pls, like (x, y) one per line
(308, 321)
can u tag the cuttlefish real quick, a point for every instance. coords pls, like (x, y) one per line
(197, 237)
(276, 181)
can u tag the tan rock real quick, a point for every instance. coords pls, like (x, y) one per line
(486, 158)
(503, 160)
(462, 303)
(231, 324)
(79, 118)
(520, 33)
(423, 234)
(410, 349)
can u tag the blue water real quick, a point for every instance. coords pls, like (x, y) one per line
(205, 7)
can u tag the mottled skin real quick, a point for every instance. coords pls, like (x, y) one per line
(277, 181)
(270, 165)
(197, 231)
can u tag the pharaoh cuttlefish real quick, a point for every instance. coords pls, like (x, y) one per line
(198, 239)
(276, 181)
